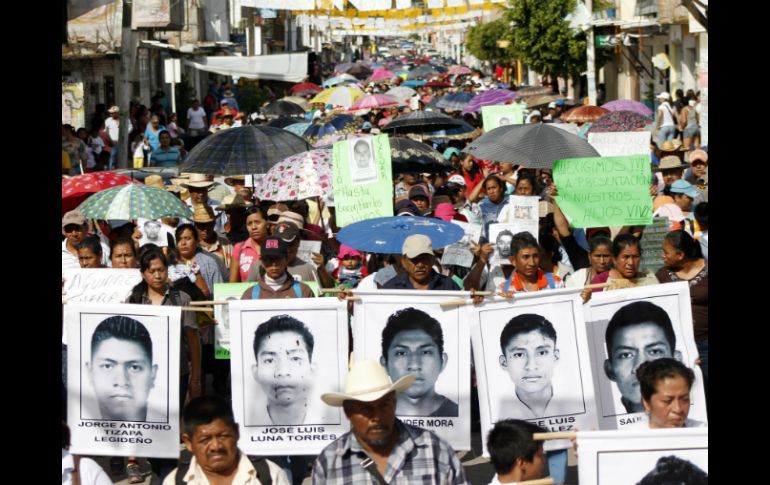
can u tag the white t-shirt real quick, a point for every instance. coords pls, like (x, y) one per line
(666, 114)
(90, 471)
(113, 126)
(197, 118)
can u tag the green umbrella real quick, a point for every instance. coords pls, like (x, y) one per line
(134, 201)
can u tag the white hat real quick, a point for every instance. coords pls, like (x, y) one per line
(552, 104)
(663, 95)
(457, 179)
(415, 245)
(199, 180)
(367, 381)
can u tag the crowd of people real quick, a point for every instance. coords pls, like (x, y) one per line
(234, 237)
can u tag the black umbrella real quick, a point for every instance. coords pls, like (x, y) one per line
(425, 71)
(282, 108)
(412, 156)
(285, 121)
(421, 121)
(534, 146)
(243, 150)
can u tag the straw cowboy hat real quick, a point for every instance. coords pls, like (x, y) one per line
(241, 179)
(199, 180)
(154, 181)
(203, 214)
(671, 161)
(674, 145)
(233, 201)
(367, 382)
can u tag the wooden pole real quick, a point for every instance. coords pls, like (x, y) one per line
(559, 435)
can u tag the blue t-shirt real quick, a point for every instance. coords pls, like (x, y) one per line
(153, 138)
(165, 158)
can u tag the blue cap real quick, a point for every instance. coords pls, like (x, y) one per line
(684, 187)
(366, 126)
(451, 151)
(559, 102)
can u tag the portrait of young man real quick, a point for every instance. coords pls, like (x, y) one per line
(362, 166)
(503, 121)
(503, 246)
(529, 356)
(121, 369)
(413, 343)
(638, 332)
(284, 370)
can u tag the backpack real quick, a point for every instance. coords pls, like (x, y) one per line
(256, 290)
(259, 463)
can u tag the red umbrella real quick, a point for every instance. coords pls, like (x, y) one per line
(438, 84)
(306, 87)
(74, 190)
(583, 114)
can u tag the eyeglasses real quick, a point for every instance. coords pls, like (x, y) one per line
(73, 228)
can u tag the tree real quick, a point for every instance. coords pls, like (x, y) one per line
(543, 40)
(482, 39)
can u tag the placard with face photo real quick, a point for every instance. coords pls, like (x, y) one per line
(225, 292)
(408, 332)
(283, 355)
(361, 160)
(460, 253)
(123, 379)
(532, 362)
(630, 326)
(501, 236)
(643, 457)
(154, 231)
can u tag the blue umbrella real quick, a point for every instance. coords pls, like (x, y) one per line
(455, 101)
(297, 128)
(414, 83)
(329, 125)
(387, 234)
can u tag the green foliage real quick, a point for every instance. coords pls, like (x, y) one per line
(481, 41)
(599, 5)
(251, 95)
(542, 38)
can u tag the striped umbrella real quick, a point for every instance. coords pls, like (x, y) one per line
(492, 97)
(134, 201)
(583, 114)
(343, 96)
(628, 105)
(455, 101)
(245, 149)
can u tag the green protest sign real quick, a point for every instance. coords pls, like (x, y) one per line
(604, 191)
(363, 184)
(225, 291)
(652, 245)
(507, 114)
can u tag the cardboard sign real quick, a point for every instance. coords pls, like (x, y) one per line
(496, 116)
(621, 143)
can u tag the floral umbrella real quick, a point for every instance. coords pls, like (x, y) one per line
(134, 201)
(306, 174)
(619, 121)
(329, 125)
(297, 128)
(458, 70)
(628, 105)
(74, 190)
(583, 114)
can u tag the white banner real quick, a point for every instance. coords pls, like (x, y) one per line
(99, 285)
(409, 332)
(669, 455)
(621, 143)
(532, 361)
(648, 322)
(123, 379)
(301, 353)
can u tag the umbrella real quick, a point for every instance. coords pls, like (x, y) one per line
(343, 67)
(374, 101)
(433, 103)
(329, 125)
(297, 128)
(438, 84)
(380, 74)
(300, 176)
(583, 114)
(360, 71)
(459, 70)
(282, 108)
(455, 101)
(540, 100)
(305, 88)
(403, 74)
(75, 190)
(134, 201)
(492, 97)
(298, 101)
(401, 93)
(242, 150)
(414, 83)
(422, 72)
(533, 146)
(387, 234)
(285, 121)
(462, 132)
(628, 105)
(327, 141)
(343, 96)
(619, 121)
(413, 156)
(421, 121)
(344, 78)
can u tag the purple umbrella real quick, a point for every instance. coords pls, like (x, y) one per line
(489, 98)
(628, 105)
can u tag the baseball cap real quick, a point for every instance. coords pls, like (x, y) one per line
(684, 187)
(407, 208)
(419, 191)
(287, 231)
(348, 251)
(445, 211)
(457, 179)
(274, 246)
(73, 217)
(552, 104)
(699, 155)
(663, 95)
(416, 245)
(366, 126)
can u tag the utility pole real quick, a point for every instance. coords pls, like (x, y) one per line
(590, 56)
(124, 87)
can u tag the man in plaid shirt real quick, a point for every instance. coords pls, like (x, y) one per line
(381, 449)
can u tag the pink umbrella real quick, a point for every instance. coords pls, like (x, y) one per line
(628, 105)
(306, 174)
(380, 74)
(374, 101)
(458, 70)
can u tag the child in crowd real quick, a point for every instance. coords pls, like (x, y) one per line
(351, 269)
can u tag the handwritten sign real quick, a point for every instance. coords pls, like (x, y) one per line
(363, 184)
(102, 285)
(604, 191)
(307, 248)
(507, 114)
(652, 244)
(621, 143)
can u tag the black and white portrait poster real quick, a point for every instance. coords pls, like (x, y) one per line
(408, 332)
(644, 457)
(283, 355)
(525, 212)
(460, 253)
(532, 362)
(154, 231)
(361, 160)
(501, 235)
(630, 326)
(123, 379)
